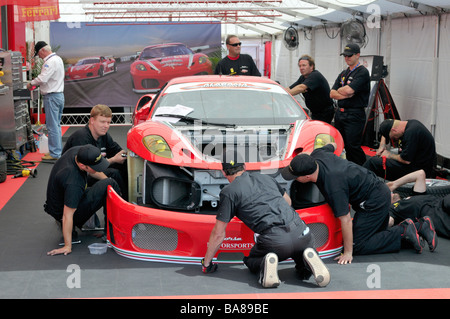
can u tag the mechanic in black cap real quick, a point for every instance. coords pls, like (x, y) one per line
(263, 205)
(344, 183)
(69, 200)
(416, 145)
(351, 89)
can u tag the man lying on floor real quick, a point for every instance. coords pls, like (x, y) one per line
(421, 204)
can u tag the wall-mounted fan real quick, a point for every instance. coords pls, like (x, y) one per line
(353, 31)
(290, 38)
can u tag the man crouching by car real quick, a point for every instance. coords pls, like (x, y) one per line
(263, 205)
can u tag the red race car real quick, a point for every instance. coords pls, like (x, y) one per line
(91, 67)
(157, 64)
(174, 156)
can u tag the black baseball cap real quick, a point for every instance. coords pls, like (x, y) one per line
(301, 165)
(91, 156)
(39, 46)
(385, 128)
(351, 49)
(231, 159)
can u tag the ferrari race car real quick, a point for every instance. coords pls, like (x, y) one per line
(175, 147)
(157, 64)
(92, 67)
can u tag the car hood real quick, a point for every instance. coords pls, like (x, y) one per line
(82, 67)
(266, 146)
(173, 62)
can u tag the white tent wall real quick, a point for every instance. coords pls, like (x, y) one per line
(418, 66)
(443, 100)
(418, 77)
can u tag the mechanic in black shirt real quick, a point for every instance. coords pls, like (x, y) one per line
(264, 206)
(417, 150)
(344, 183)
(315, 89)
(69, 200)
(96, 133)
(351, 89)
(421, 205)
(236, 63)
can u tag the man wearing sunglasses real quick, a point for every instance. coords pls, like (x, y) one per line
(351, 89)
(236, 63)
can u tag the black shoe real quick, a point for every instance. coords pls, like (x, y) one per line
(268, 276)
(427, 231)
(318, 268)
(411, 236)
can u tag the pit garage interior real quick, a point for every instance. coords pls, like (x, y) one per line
(411, 37)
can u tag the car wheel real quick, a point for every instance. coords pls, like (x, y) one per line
(436, 187)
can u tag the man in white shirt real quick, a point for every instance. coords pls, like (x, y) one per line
(51, 83)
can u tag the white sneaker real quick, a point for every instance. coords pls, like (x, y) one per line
(269, 271)
(317, 267)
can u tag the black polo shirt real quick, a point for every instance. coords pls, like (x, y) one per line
(317, 97)
(342, 182)
(359, 81)
(83, 136)
(418, 146)
(257, 200)
(243, 65)
(66, 184)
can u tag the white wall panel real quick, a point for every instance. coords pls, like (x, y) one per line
(411, 45)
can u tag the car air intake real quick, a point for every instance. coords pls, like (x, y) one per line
(154, 237)
(320, 232)
(175, 193)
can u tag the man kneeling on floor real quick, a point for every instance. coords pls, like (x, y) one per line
(345, 183)
(263, 205)
(69, 200)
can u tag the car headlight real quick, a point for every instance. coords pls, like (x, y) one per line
(157, 145)
(322, 140)
(141, 67)
(202, 60)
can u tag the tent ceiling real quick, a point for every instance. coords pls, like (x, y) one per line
(260, 16)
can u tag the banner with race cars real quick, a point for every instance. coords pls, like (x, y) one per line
(116, 63)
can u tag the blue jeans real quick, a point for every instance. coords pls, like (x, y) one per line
(54, 105)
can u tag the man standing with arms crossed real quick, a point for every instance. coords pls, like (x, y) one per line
(51, 82)
(351, 89)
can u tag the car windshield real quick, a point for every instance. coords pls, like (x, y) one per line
(88, 61)
(163, 51)
(266, 105)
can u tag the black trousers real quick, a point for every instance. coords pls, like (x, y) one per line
(394, 169)
(350, 123)
(286, 241)
(371, 234)
(324, 116)
(92, 200)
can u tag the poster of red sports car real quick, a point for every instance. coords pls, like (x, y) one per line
(116, 63)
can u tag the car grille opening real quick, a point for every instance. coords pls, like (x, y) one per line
(150, 83)
(154, 237)
(320, 232)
